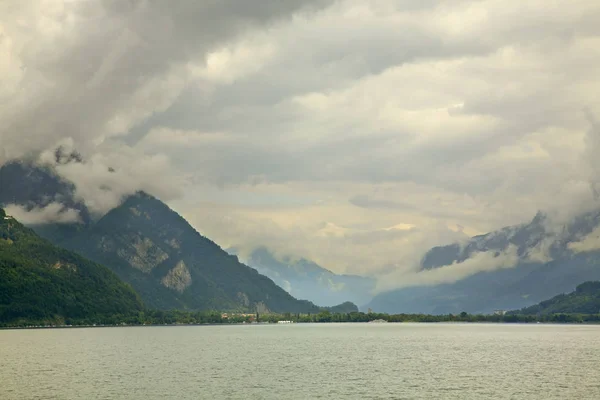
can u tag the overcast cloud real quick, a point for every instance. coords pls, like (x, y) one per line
(354, 133)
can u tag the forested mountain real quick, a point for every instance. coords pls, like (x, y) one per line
(585, 299)
(551, 260)
(305, 279)
(149, 246)
(41, 282)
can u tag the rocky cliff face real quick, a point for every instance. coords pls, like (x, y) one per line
(179, 279)
(172, 266)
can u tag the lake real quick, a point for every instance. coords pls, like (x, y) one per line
(303, 361)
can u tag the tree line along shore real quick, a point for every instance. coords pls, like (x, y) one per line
(176, 317)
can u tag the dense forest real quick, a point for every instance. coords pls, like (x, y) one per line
(39, 281)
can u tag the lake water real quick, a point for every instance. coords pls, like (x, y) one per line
(303, 361)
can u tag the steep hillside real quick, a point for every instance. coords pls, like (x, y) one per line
(41, 282)
(307, 280)
(172, 266)
(584, 300)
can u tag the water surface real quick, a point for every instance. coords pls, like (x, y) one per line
(303, 361)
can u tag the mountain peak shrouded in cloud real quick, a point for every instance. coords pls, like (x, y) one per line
(356, 134)
(62, 187)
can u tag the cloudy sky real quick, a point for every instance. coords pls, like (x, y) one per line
(354, 133)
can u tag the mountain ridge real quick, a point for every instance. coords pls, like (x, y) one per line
(551, 260)
(150, 246)
(156, 250)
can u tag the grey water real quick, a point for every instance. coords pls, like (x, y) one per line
(303, 361)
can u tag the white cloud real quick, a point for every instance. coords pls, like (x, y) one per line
(588, 243)
(478, 262)
(540, 253)
(52, 213)
(103, 180)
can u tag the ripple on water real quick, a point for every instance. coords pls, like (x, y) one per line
(327, 361)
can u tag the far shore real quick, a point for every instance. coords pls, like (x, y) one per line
(36, 327)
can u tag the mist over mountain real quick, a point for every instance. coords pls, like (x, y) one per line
(149, 246)
(305, 279)
(35, 187)
(366, 136)
(525, 264)
(358, 134)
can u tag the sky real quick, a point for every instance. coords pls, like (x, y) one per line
(357, 134)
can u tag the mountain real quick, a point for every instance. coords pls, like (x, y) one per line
(307, 280)
(41, 282)
(149, 246)
(172, 266)
(584, 300)
(550, 261)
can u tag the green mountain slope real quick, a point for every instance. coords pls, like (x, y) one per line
(41, 282)
(172, 266)
(584, 300)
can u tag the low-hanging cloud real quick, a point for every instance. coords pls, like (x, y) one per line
(590, 242)
(51, 213)
(107, 177)
(478, 262)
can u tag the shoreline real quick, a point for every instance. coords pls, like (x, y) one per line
(6, 328)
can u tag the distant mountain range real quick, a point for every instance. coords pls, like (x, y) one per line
(152, 248)
(305, 279)
(550, 261)
(41, 282)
